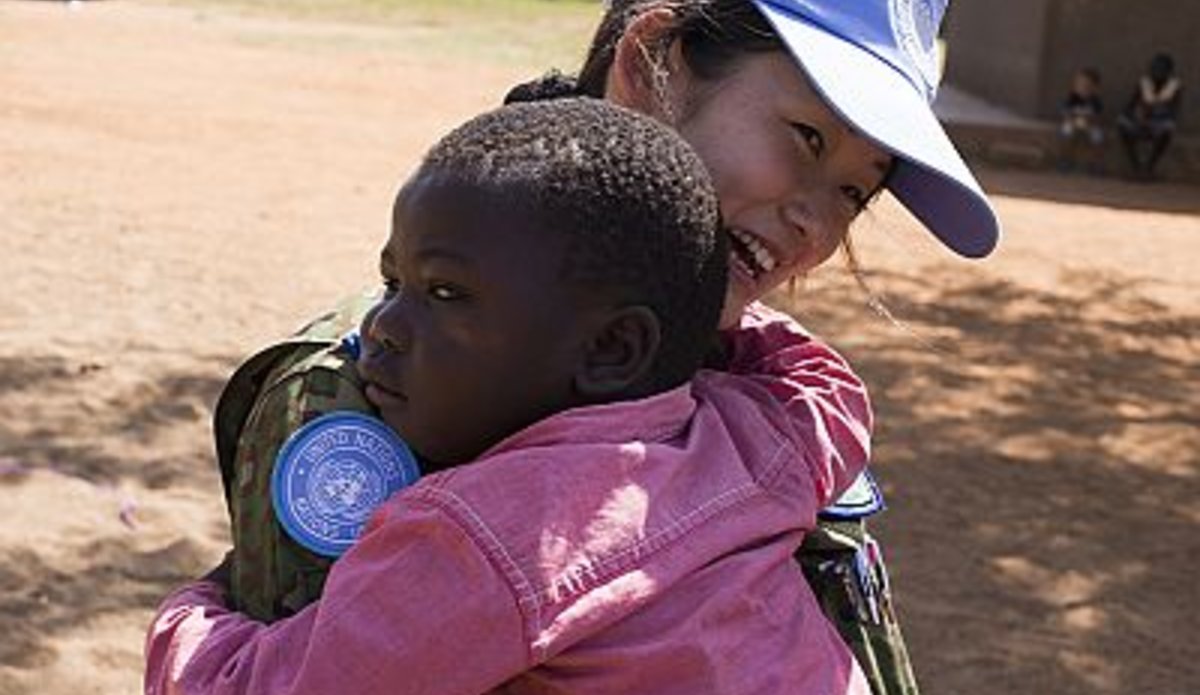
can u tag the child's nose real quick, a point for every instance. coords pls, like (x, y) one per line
(387, 328)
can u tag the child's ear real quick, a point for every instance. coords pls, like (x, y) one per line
(641, 68)
(620, 354)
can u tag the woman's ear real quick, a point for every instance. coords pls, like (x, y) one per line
(620, 354)
(643, 67)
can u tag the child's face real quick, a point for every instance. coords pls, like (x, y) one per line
(1083, 84)
(477, 335)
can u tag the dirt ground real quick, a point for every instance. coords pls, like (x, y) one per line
(179, 186)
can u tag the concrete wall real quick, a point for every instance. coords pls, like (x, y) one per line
(1021, 53)
(994, 49)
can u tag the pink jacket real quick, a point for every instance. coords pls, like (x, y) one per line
(636, 547)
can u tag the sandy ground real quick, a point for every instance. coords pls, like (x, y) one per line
(178, 187)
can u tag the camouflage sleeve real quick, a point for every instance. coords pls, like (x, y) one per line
(272, 575)
(844, 566)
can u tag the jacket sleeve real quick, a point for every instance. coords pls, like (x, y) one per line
(399, 612)
(825, 401)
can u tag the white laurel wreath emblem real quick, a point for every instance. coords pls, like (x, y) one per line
(915, 24)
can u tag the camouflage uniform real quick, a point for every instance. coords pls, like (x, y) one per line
(268, 398)
(844, 567)
(286, 385)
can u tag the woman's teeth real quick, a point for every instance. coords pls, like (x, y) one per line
(752, 253)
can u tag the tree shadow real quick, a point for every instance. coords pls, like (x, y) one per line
(147, 422)
(39, 602)
(1042, 464)
(83, 420)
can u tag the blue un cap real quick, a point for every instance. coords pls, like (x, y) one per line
(332, 474)
(876, 63)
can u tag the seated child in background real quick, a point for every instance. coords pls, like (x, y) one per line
(1080, 129)
(596, 515)
(1148, 120)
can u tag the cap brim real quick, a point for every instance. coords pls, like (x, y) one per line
(930, 177)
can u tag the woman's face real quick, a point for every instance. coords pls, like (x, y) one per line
(790, 174)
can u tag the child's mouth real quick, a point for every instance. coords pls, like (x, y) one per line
(382, 397)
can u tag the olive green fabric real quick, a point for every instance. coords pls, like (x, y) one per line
(851, 585)
(268, 398)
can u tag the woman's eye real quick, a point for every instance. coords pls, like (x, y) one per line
(811, 137)
(855, 197)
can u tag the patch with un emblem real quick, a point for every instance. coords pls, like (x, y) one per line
(862, 499)
(332, 473)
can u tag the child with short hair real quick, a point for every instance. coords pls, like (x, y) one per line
(1080, 129)
(596, 515)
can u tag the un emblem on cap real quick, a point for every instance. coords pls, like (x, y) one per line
(915, 25)
(332, 473)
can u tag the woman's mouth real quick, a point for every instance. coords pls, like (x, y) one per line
(750, 255)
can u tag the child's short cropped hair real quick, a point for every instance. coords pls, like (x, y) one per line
(633, 199)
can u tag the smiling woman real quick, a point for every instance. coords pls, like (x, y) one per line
(803, 112)
(792, 176)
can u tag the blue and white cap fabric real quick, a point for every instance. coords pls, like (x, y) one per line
(876, 63)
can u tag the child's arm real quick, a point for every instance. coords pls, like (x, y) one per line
(416, 606)
(825, 401)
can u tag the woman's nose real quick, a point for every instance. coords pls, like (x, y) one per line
(801, 214)
(814, 212)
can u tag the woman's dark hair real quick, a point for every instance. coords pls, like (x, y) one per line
(712, 34)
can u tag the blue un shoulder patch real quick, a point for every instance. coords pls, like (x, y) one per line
(332, 473)
(862, 499)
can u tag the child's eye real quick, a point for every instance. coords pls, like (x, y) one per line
(811, 137)
(444, 292)
(391, 288)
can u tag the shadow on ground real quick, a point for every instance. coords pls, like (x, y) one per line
(77, 414)
(1109, 191)
(38, 603)
(1041, 457)
(72, 418)
(1039, 452)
